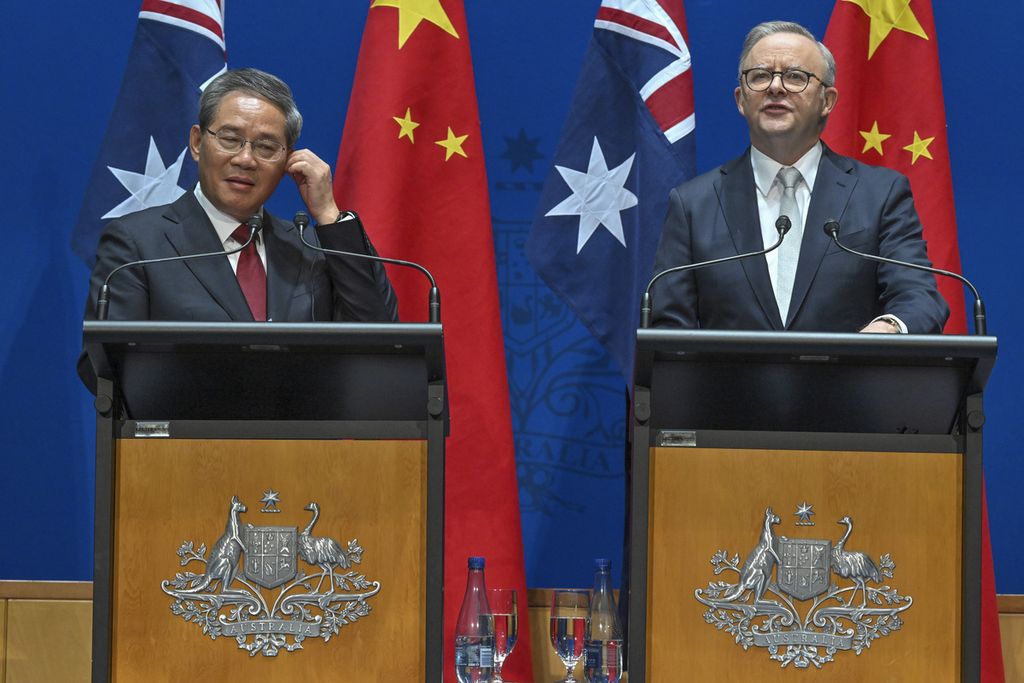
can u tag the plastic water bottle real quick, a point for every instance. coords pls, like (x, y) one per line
(474, 631)
(603, 651)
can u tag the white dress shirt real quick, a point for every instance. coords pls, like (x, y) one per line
(769, 199)
(225, 225)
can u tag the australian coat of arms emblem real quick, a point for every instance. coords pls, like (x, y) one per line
(761, 607)
(223, 601)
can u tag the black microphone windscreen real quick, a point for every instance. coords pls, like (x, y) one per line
(783, 224)
(255, 222)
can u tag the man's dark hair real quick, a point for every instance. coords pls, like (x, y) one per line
(258, 83)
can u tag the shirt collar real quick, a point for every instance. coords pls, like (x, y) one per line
(766, 169)
(223, 224)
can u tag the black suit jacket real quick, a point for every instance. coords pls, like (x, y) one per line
(716, 215)
(302, 285)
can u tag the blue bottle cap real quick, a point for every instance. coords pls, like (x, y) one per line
(602, 563)
(476, 563)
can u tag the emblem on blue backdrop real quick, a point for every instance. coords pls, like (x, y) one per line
(803, 599)
(292, 585)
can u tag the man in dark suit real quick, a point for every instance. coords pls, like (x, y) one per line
(244, 145)
(786, 92)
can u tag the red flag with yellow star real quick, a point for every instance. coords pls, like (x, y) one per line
(891, 113)
(411, 165)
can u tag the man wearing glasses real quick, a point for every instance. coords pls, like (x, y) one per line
(244, 144)
(786, 91)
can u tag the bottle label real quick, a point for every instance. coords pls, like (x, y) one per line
(593, 653)
(480, 654)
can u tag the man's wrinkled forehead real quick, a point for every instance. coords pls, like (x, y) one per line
(785, 50)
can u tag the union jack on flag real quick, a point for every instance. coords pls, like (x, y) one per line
(179, 48)
(628, 140)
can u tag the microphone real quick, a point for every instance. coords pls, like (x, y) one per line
(782, 224)
(255, 224)
(832, 230)
(301, 222)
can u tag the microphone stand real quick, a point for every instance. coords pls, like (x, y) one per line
(832, 230)
(255, 224)
(782, 224)
(301, 222)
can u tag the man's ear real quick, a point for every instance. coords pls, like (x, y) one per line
(831, 96)
(195, 139)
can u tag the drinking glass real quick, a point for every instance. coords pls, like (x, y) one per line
(569, 608)
(502, 602)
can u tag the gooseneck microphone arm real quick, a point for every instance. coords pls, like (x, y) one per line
(301, 222)
(782, 224)
(832, 230)
(255, 224)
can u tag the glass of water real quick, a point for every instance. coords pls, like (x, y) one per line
(502, 602)
(569, 608)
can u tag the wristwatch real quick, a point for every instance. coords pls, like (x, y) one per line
(891, 321)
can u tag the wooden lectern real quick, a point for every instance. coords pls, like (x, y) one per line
(806, 501)
(269, 501)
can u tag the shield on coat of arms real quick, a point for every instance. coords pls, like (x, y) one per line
(270, 554)
(804, 568)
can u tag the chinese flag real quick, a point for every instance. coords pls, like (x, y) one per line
(891, 113)
(411, 165)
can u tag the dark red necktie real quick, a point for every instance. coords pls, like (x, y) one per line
(252, 277)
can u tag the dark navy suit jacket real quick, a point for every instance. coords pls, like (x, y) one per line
(302, 285)
(716, 215)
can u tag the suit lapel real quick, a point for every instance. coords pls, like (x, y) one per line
(284, 266)
(739, 206)
(192, 233)
(832, 189)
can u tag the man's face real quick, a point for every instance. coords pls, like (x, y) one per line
(238, 184)
(781, 121)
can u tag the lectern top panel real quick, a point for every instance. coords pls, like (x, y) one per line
(785, 381)
(261, 371)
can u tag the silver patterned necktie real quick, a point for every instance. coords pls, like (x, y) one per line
(789, 252)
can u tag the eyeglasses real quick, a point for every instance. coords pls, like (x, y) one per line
(760, 79)
(233, 143)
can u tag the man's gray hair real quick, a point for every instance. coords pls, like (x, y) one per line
(768, 28)
(258, 83)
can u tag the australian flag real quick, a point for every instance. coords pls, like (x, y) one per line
(179, 47)
(628, 141)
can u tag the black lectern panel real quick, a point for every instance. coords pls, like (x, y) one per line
(259, 371)
(763, 381)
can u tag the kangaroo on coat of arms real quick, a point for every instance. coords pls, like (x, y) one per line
(223, 562)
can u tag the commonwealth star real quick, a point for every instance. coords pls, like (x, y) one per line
(155, 186)
(598, 196)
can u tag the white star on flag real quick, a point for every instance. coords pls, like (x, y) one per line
(156, 186)
(598, 196)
